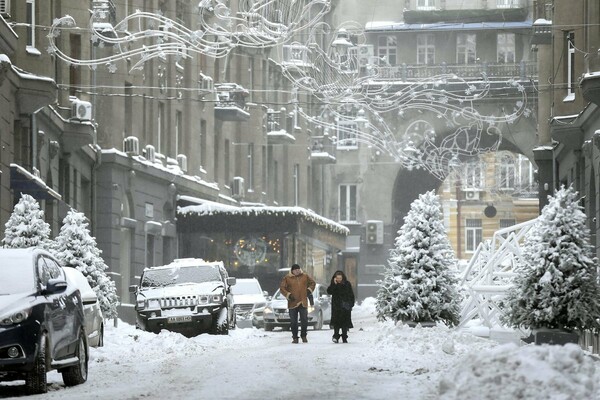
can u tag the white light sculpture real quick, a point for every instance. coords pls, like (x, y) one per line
(144, 35)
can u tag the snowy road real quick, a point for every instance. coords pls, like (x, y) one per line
(381, 361)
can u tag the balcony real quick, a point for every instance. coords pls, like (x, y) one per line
(322, 150)
(406, 73)
(590, 81)
(296, 57)
(280, 127)
(542, 32)
(231, 102)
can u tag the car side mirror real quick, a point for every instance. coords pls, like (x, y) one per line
(133, 288)
(55, 286)
(231, 281)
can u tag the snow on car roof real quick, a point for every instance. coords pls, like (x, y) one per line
(188, 262)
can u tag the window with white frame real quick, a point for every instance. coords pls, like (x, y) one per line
(526, 173)
(30, 23)
(387, 48)
(250, 183)
(296, 184)
(178, 131)
(505, 48)
(346, 134)
(473, 234)
(466, 48)
(425, 4)
(426, 49)
(507, 172)
(347, 203)
(473, 175)
(507, 3)
(570, 38)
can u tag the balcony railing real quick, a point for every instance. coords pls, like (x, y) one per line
(322, 150)
(522, 70)
(280, 127)
(231, 102)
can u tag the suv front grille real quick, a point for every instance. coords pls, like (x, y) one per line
(179, 301)
(244, 307)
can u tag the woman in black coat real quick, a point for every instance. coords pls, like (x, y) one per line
(342, 301)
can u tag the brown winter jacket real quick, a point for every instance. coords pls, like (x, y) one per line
(296, 286)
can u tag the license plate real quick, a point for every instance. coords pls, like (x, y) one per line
(283, 315)
(179, 319)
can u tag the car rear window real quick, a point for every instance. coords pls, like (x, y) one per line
(246, 287)
(17, 275)
(179, 275)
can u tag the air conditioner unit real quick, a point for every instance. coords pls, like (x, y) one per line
(81, 110)
(131, 146)
(374, 232)
(5, 8)
(237, 189)
(206, 83)
(182, 161)
(150, 153)
(471, 195)
(365, 54)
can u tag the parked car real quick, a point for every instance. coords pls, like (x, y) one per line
(249, 302)
(189, 296)
(276, 313)
(42, 324)
(94, 320)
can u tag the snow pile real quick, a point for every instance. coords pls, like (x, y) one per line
(531, 372)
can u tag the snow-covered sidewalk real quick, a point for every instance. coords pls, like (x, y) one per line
(381, 361)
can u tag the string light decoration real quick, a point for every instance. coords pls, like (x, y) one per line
(142, 36)
(359, 98)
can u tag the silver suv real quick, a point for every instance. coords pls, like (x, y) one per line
(189, 296)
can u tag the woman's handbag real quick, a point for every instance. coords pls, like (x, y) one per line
(346, 305)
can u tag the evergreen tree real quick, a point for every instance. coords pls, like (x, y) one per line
(75, 247)
(556, 285)
(419, 281)
(26, 226)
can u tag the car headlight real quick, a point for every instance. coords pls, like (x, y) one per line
(141, 304)
(216, 298)
(311, 309)
(268, 310)
(15, 317)
(153, 303)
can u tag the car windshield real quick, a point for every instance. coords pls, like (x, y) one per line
(17, 275)
(178, 275)
(246, 287)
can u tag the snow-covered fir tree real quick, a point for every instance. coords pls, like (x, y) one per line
(419, 282)
(556, 284)
(26, 226)
(75, 247)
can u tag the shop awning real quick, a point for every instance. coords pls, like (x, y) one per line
(23, 181)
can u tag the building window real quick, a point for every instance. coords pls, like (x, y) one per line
(505, 48)
(426, 49)
(387, 47)
(250, 156)
(570, 65)
(346, 134)
(347, 203)
(75, 70)
(203, 146)
(296, 184)
(30, 23)
(178, 131)
(473, 234)
(149, 250)
(425, 4)
(473, 175)
(507, 3)
(526, 171)
(507, 172)
(161, 127)
(506, 223)
(466, 48)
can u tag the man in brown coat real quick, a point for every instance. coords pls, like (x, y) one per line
(294, 287)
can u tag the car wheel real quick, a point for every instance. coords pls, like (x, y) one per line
(319, 325)
(268, 327)
(77, 374)
(35, 380)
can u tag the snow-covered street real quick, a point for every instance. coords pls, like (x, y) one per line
(381, 361)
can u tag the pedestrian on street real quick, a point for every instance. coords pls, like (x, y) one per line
(295, 286)
(342, 301)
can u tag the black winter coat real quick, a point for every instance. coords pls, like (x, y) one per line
(341, 293)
